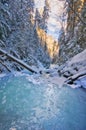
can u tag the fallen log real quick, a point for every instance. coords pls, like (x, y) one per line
(71, 79)
(24, 65)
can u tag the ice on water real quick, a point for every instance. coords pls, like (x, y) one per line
(44, 106)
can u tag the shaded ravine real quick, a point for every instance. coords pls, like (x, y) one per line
(55, 14)
(36, 105)
(28, 106)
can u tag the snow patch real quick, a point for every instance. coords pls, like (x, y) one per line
(78, 58)
(33, 79)
(2, 75)
(57, 81)
(74, 86)
(12, 128)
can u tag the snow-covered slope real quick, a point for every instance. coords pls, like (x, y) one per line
(75, 70)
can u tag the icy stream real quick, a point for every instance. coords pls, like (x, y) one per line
(27, 106)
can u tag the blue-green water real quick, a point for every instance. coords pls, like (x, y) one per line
(24, 106)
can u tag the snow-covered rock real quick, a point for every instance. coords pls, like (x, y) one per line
(75, 69)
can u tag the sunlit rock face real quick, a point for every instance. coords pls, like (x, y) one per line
(56, 8)
(49, 44)
(75, 18)
(75, 39)
(77, 27)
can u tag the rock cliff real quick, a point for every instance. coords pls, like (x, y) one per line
(74, 41)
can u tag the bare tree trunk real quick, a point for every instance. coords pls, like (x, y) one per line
(19, 62)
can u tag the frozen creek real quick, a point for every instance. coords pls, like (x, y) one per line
(28, 106)
(34, 103)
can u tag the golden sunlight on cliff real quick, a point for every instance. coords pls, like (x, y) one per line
(74, 13)
(81, 4)
(48, 42)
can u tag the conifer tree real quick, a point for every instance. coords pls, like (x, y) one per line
(45, 15)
